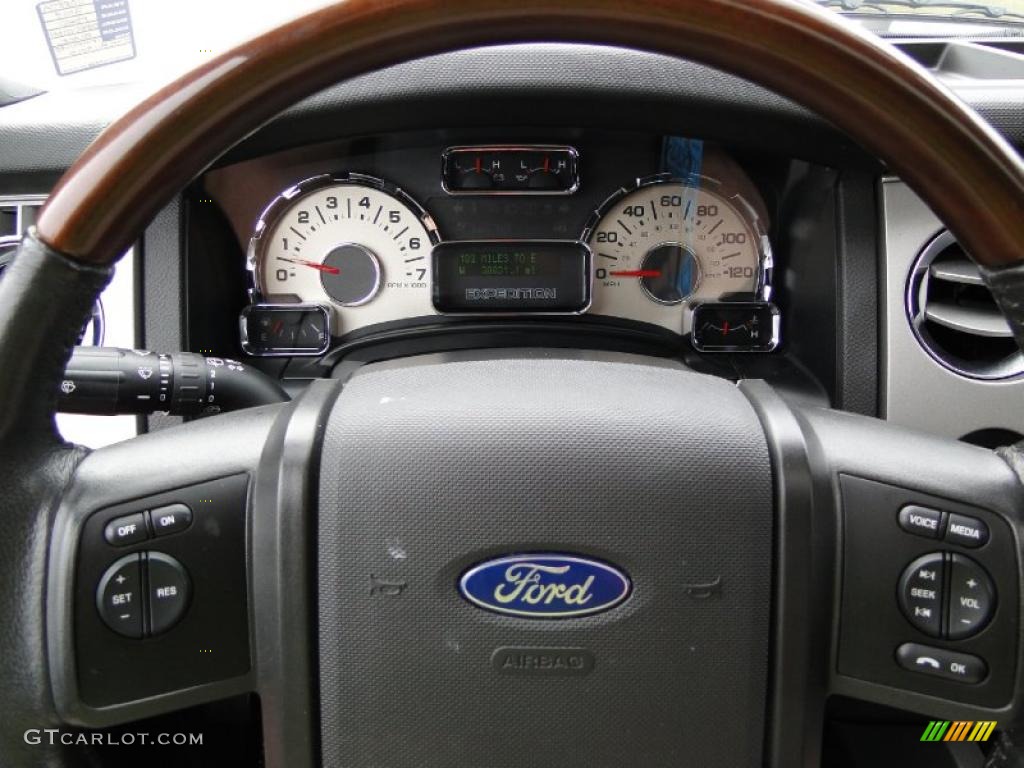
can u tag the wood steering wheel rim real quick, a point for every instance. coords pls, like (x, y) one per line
(893, 107)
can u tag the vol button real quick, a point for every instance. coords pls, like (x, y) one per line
(972, 598)
(119, 597)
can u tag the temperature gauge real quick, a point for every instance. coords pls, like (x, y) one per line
(277, 330)
(506, 170)
(749, 326)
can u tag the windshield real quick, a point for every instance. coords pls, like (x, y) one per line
(69, 44)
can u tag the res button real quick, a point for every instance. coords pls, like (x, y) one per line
(169, 589)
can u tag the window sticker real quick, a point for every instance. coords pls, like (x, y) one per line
(86, 34)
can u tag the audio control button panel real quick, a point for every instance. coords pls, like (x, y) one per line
(929, 594)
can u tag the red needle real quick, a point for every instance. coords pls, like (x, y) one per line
(313, 265)
(478, 164)
(636, 273)
(725, 328)
(547, 164)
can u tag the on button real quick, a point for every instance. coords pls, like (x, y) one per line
(170, 519)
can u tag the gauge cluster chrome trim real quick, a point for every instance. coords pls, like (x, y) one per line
(571, 151)
(280, 204)
(588, 279)
(773, 342)
(243, 330)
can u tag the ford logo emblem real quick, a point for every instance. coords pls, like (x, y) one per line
(545, 586)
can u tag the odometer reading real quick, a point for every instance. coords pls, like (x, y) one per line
(504, 262)
(511, 276)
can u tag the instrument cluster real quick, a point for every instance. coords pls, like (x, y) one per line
(683, 250)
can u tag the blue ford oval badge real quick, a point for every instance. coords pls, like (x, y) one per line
(545, 586)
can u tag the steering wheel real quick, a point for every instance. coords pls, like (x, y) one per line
(773, 554)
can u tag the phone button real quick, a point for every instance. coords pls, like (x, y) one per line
(938, 662)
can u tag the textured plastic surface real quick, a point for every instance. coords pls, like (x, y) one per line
(428, 469)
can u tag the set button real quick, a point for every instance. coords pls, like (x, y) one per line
(119, 597)
(139, 526)
(135, 611)
(962, 530)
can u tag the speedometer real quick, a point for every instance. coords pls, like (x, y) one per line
(668, 244)
(354, 244)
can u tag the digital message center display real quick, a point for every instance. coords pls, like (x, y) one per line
(547, 276)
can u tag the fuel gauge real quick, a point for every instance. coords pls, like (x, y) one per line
(277, 330)
(748, 326)
(510, 170)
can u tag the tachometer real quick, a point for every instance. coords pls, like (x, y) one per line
(668, 244)
(353, 243)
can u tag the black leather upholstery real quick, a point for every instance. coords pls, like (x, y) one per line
(44, 302)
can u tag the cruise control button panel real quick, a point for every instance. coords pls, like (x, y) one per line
(939, 662)
(132, 611)
(161, 594)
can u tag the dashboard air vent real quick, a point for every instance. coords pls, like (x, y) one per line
(955, 317)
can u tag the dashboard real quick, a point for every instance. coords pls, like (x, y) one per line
(662, 236)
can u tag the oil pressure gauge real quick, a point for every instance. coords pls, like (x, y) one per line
(540, 169)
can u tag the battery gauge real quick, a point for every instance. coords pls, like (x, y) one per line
(748, 326)
(277, 330)
(540, 169)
